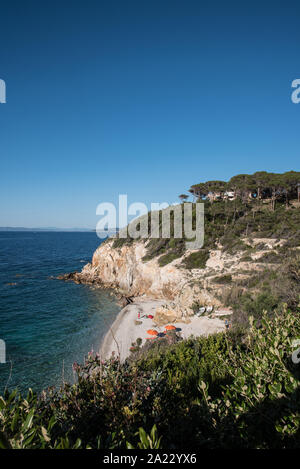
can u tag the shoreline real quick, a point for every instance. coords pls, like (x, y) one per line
(132, 321)
(125, 330)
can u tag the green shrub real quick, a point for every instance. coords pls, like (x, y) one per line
(271, 257)
(229, 390)
(223, 279)
(120, 242)
(246, 258)
(196, 260)
(24, 424)
(260, 408)
(167, 258)
(229, 222)
(233, 244)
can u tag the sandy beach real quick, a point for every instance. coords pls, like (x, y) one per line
(124, 330)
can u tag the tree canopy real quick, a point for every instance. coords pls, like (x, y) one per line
(260, 185)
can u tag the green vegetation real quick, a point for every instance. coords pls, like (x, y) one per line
(271, 257)
(172, 248)
(223, 279)
(261, 208)
(238, 389)
(196, 260)
(260, 185)
(167, 258)
(120, 242)
(225, 391)
(183, 197)
(269, 289)
(246, 258)
(228, 221)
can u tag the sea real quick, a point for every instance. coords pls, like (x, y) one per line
(48, 324)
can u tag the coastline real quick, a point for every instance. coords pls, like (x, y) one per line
(124, 329)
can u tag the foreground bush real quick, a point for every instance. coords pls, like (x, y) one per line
(224, 391)
(260, 408)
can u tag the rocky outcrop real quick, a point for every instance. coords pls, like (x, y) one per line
(123, 269)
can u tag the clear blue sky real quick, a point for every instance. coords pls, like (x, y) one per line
(142, 98)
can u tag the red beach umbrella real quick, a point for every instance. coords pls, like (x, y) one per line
(152, 332)
(150, 316)
(170, 328)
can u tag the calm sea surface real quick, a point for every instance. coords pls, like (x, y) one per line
(48, 324)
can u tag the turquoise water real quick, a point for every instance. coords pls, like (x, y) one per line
(48, 324)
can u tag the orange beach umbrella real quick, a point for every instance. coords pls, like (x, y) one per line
(170, 328)
(152, 332)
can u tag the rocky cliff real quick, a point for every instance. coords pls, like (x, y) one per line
(124, 269)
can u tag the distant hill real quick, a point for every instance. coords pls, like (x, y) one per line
(21, 228)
